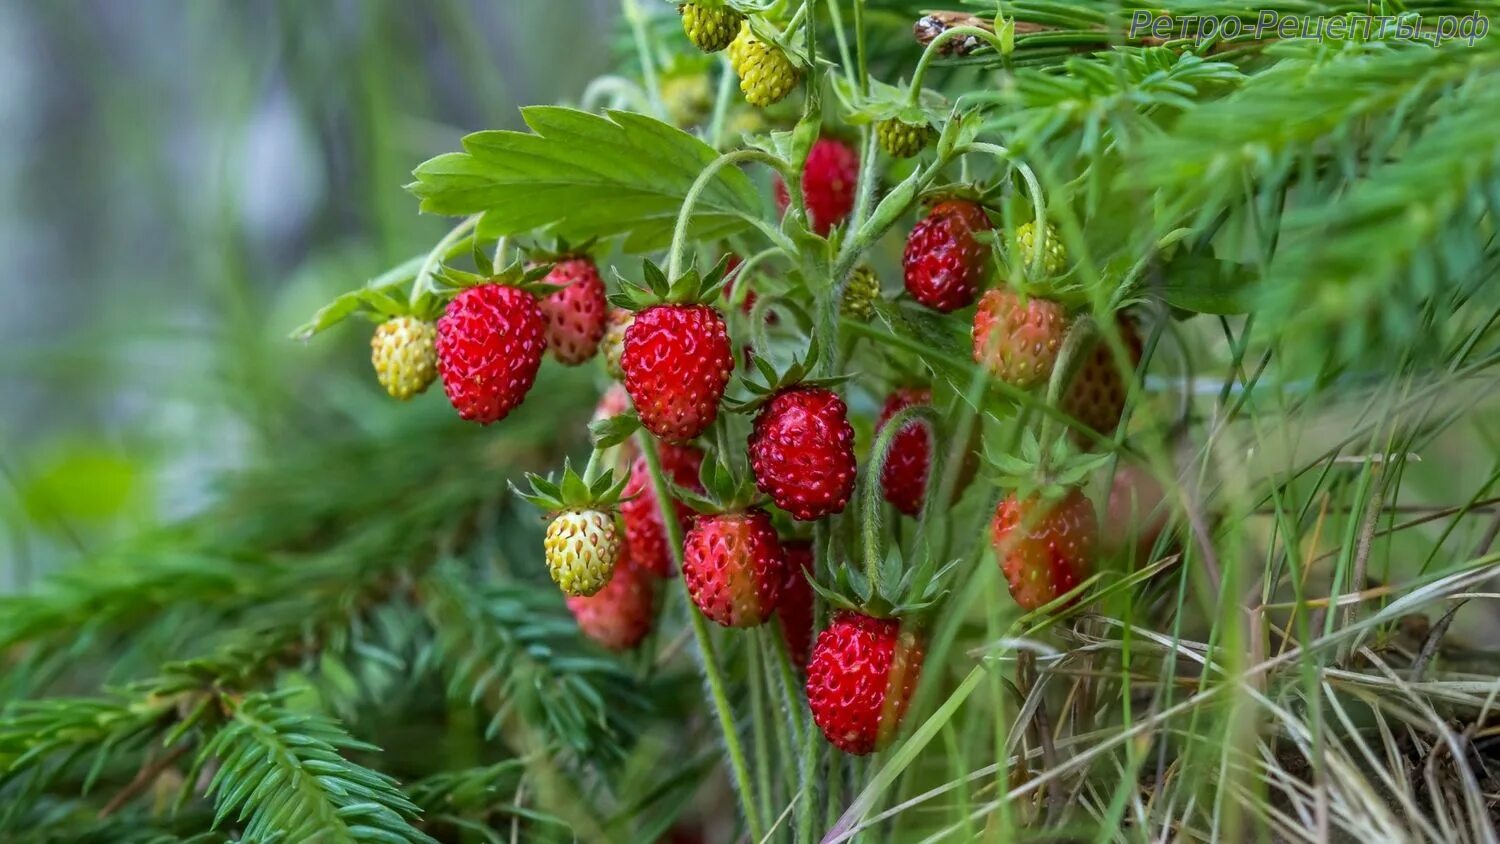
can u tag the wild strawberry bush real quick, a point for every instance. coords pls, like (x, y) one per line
(1007, 424)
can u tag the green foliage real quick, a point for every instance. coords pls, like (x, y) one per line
(582, 176)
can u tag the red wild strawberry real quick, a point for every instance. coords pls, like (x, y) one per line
(802, 452)
(677, 362)
(1045, 548)
(860, 678)
(733, 567)
(795, 606)
(903, 479)
(828, 181)
(645, 534)
(1096, 395)
(944, 263)
(575, 313)
(489, 345)
(1018, 341)
(619, 615)
(1135, 514)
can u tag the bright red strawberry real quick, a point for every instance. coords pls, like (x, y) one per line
(677, 362)
(618, 616)
(733, 566)
(577, 312)
(795, 606)
(1045, 548)
(858, 663)
(944, 263)
(1096, 395)
(828, 181)
(1018, 341)
(1135, 514)
(489, 345)
(903, 479)
(802, 452)
(645, 534)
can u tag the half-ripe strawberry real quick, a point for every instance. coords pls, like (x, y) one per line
(1018, 340)
(944, 263)
(645, 532)
(1045, 547)
(829, 179)
(489, 345)
(734, 567)
(618, 616)
(802, 452)
(795, 606)
(677, 362)
(614, 341)
(576, 313)
(860, 678)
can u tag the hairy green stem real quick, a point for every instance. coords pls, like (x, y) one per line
(679, 232)
(873, 469)
(931, 53)
(643, 52)
(423, 282)
(1033, 186)
(711, 672)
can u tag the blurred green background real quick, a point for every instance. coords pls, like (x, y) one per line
(184, 181)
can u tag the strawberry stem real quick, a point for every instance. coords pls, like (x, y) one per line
(951, 34)
(709, 661)
(444, 249)
(873, 470)
(700, 184)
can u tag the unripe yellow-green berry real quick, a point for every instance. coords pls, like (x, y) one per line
(766, 74)
(614, 341)
(404, 354)
(710, 28)
(901, 139)
(687, 97)
(581, 549)
(1054, 254)
(860, 293)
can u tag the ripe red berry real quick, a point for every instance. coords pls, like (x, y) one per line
(677, 362)
(795, 606)
(577, 313)
(802, 452)
(490, 343)
(903, 479)
(733, 566)
(944, 263)
(1096, 395)
(857, 665)
(828, 181)
(1045, 548)
(619, 615)
(645, 533)
(1018, 341)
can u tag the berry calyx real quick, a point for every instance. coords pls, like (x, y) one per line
(944, 263)
(860, 678)
(404, 354)
(733, 567)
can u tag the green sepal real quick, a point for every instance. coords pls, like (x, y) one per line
(516, 274)
(884, 102)
(572, 492)
(725, 490)
(610, 432)
(772, 382)
(954, 190)
(690, 288)
(898, 590)
(560, 250)
(1049, 474)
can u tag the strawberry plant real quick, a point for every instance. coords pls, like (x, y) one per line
(1068, 429)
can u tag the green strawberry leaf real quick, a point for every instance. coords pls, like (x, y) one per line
(579, 175)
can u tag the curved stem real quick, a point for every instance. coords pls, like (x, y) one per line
(1034, 187)
(423, 282)
(873, 470)
(679, 233)
(1077, 341)
(705, 643)
(931, 52)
